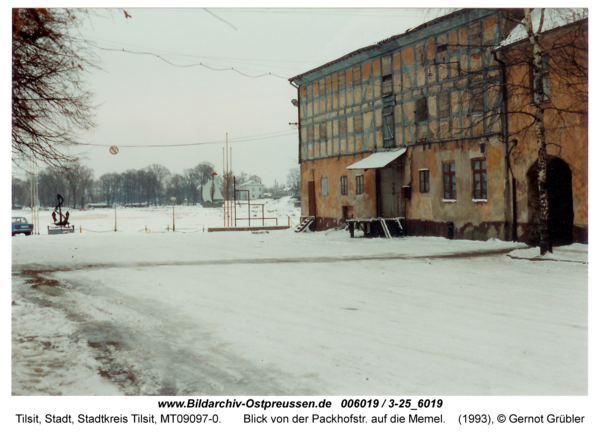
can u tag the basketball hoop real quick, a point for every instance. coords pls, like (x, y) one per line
(114, 150)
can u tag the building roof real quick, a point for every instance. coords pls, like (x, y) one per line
(553, 19)
(380, 43)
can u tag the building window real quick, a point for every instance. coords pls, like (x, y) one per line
(322, 87)
(421, 55)
(388, 127)
(310, 131)
(356, 76)
(386, 65)
(479, 179)
(442, 50)
(545, 80)
(424, 180)
(478, 99)
(475, 34)
(444, 105)
(358, 125)
(324, 186)
(421, 111)
(344, 184)
(449, 181)
(342, 81)
(343, 127)
(359, 184)
(323, 131)
(387, 87)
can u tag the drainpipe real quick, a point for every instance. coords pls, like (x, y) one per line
(507, 186)
(299, 125)
(514, 196)
(406, 202)
(299, 138)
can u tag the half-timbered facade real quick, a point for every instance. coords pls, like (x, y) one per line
(429, 104)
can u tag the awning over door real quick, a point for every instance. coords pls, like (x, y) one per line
(378, 159)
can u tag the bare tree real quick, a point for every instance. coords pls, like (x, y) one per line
(204, 173)
(19, 192)
(538, 100)
(543, 43)
(176, 188)
(51, 181)
(49, 100)
(157, 178)
(255, 178)
(293, 179)
(95, 192)
(564, 52)
(86, 180)
(109, 187)
(73, 174)
(241, 179)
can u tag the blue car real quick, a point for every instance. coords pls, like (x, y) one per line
(20, 226)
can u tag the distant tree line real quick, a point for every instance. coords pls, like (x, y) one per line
(152, 186)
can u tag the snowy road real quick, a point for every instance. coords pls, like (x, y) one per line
(282, 314)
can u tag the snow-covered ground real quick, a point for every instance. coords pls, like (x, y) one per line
(138, 312)
(160, 219)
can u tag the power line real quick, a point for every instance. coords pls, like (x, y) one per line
(210, 57)
(328, 12)
(243, 61)
(219, 18)
(216, 142)
(186, 66)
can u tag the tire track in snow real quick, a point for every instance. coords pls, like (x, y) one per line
(311, 259)
(145, 348)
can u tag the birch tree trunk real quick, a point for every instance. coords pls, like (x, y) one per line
(538, 100)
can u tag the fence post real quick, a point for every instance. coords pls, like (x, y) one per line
(79, 228)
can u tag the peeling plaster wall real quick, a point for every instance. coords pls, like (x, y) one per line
(567, 130)
(329, 207)
(434, 90)
(481, 219)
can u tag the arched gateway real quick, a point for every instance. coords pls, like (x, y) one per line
(560, 202)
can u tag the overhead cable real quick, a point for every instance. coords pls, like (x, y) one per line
(216, 142)
(186, 66)
(219, 18)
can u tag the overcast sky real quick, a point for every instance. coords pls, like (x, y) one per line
(144, 100)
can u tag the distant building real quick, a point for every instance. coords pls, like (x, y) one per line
(136, 205)
(97, 205)
(286, 191)
(255, 189)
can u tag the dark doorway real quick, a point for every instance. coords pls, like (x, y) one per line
(389, 191)
(347, 213)
(560, 203)
(312, 203)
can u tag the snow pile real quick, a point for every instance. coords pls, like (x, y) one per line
(572, 253)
